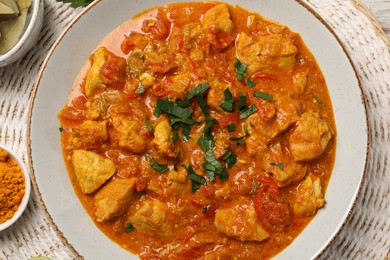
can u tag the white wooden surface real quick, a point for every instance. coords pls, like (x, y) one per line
(381, 11)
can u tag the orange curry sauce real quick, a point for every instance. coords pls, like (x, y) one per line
(200, 131)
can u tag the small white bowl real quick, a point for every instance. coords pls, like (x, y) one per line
(29, 36)
(27, 191)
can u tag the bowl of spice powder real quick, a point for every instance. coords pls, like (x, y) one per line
(15, 187)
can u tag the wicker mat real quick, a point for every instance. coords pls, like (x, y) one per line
(367, 233)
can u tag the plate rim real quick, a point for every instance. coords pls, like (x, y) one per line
(305, 5)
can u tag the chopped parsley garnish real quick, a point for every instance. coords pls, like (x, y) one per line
(206, 142)
(198, 90)
(177, 115)
(166, 106)
(212, 167)
(279, 165)
(228, 103)
(231, 127)
(230, 158)
(262, 95)
(196, 179)
(241, 101)
(140, 89)
(250, 83)
(240, 69)
(148, 125)
(248, 111)
(240, 139)
(159, 167)
(61, 129)
(183, 103)
(175, 136)
(176, 160)
(129, 228)
(186, 132)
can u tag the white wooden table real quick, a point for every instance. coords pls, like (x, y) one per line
(380, 9)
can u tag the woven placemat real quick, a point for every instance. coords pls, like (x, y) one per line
(367, 233)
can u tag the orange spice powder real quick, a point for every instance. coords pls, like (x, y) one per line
(12, 186)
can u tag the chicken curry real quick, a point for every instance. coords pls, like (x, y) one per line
(200, 131)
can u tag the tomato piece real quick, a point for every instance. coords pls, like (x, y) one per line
(224, 120)
(157, 27)
(72, 115)
(133, 40)
(271, 210)
(113, 74)
(263, 75)
(219, 38)
(79, 102)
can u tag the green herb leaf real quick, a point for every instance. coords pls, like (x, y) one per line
(175, 136)
(230, 158)
(186, 133)
(159, 167)
(228, 103)
(129, 228)
(212, 166)
(196, 179)
(231, 127)
(198, 90)
(166, 106)
(241, 101)
(77, 3)
(176, 160)
(203, 106)
(262, 95)
(240, 139)
(62, 130)
(248, 111)
(140, 89)
(148, 125)
(206, 142)
(183, 103)
(250, 83)
(279, 165)
(240, 69)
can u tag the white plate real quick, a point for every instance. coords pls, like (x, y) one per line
(66, 58)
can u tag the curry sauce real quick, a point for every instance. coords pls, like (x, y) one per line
(200, 131)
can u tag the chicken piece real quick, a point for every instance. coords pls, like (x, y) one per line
(128, 133)
(219, 17)
(91, 170)
(162, 141)
(310, 138)
(113, 199)
(266, 52)
(261, 132)
(239, 220)
(151, 218)
(239, 185)
(299, 81)
(279, 163)
(309, 197)
(106, 69)
(88, 135)
(180, 84)
(178, 176)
